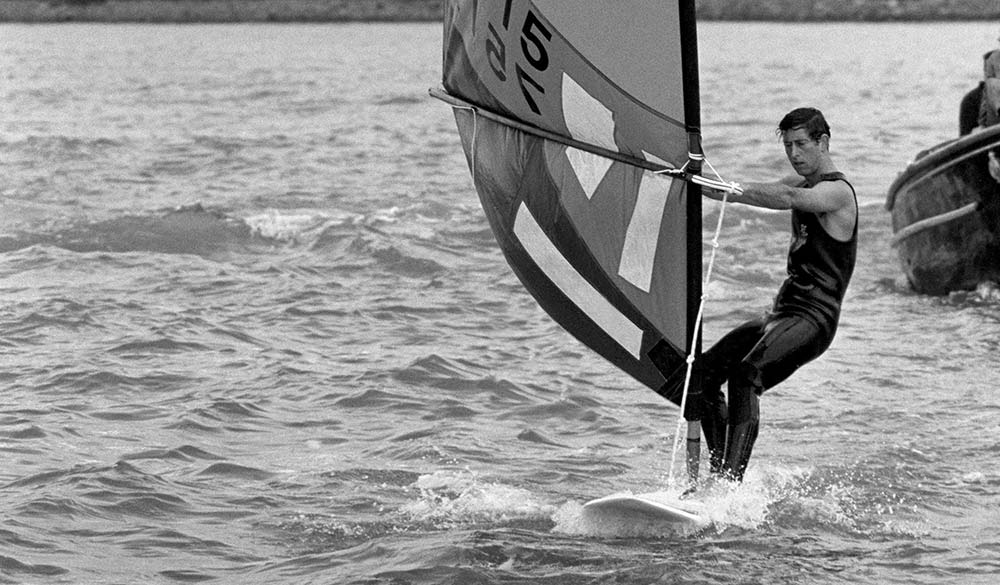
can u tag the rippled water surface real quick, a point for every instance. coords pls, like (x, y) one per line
(255, 328)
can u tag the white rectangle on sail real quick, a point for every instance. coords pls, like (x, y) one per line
(587, 119)
(643, 234)
(573, 285)
(590, 169)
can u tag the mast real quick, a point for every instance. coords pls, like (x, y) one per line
(692, 120)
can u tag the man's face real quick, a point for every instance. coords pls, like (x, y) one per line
(803, 152)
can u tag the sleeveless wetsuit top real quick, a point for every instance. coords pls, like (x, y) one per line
(819, 267)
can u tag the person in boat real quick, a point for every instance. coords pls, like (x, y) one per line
(968, 110)
(989, 103)
(991, 62)
(974, 112)
(800, 326)
(989, 108)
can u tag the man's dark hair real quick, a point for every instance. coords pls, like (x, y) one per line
(810, 119)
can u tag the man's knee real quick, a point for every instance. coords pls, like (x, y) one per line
(751, 376)
(744, 395)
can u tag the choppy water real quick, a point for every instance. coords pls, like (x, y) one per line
(254, 328)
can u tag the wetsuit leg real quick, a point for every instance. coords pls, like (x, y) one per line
(744, 424)
(716, 367)
(714, 423)
(788, 343)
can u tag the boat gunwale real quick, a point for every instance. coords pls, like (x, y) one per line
(940, 159)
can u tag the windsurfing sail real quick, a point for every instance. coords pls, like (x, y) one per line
(566, 109)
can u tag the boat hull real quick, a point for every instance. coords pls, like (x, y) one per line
(960, 253)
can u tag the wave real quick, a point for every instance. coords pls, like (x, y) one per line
(185, 230)
(435, 371)
(88, 381)
(159, 345)
(361, 247)
(182, 453)
(234, 471)
(36, 150)
(13, 566)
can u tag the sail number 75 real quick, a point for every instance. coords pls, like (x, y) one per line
(534, 38)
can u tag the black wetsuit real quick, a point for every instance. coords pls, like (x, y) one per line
(763, 352)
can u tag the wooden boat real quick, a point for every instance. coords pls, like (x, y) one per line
(946, 215)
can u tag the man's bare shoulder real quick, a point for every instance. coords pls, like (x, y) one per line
(838, 195)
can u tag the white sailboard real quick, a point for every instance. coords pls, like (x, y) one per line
(650, 507)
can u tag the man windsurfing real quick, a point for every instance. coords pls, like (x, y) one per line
(763, 352)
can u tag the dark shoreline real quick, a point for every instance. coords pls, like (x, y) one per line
(193, 11)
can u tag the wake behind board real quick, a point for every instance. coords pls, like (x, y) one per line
(651, 507)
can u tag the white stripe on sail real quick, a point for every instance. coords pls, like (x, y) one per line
(642, 236)
(573, 285)
(589, 168)
(586, 118)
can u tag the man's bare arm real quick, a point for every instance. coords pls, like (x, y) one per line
(825, 197)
